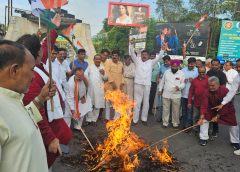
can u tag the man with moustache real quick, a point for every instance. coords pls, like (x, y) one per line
(170, 88)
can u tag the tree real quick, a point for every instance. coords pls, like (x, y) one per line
(151, 34)
(112, 38)
(215, 7)
(170, 10)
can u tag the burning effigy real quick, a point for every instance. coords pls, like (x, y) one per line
(119, 150)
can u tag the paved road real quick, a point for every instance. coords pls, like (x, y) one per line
(217, 156)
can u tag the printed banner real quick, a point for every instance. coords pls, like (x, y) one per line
(175, 34)
(138, 36)
(229, 42)
(125, 14)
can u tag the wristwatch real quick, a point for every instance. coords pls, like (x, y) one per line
(38, 101)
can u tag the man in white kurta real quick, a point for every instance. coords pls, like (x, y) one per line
(20, 138)
(129, 74)
(234, 94)
(97, 76)
(84, 101)
(170, 88)
(21, 144)
(142, 82)
(230, 73)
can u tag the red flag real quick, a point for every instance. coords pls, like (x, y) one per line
(69, 30)
(49, 4)
(197, 26)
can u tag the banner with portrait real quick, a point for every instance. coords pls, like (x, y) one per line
(126, 14)
(176, 34)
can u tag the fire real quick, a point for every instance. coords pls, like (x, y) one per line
(162, 155)
(121, 145)
(121, 142)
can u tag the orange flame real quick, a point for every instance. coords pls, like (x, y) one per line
(162, 155)
(120, 141)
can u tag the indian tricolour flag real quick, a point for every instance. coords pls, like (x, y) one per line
(42, 9)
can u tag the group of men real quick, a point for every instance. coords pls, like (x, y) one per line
(204, 93)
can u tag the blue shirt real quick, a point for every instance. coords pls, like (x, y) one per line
(159, 42)
(188, 74)
(173, 44)
(82, 65)
(163, 69)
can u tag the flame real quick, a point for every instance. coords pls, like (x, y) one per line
(162, 155)
(121, 142)
(121, 145)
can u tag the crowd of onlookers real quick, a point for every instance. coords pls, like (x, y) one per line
(183, 93)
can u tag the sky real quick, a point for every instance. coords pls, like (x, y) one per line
(90, 11)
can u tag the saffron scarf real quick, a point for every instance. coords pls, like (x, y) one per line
(77, 98)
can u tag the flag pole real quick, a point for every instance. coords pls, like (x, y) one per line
(191, 37)
(50, 66)
(197, 26)
(39, 23)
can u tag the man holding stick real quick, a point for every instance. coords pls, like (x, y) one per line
(233, 93)
(226, 116)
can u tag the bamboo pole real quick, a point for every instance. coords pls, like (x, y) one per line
(87, 139)
(50, 66)
(191, 37)
(165, 138)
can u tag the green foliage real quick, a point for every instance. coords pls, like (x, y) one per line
(151, 34)
(114, 37)
(170, 10)
(215, 7)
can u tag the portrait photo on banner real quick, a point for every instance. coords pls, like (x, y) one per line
(125, 14)
(176, 34)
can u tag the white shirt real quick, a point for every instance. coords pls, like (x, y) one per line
(143, 70)
(129, 71)
(232, 91)
(230, 74)
(84, 108)
(169, 82)
(188, 74)
(96, 86)
(60, 70)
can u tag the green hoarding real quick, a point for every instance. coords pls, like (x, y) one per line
(229, 42)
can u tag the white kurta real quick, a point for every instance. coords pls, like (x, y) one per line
(96, 86)
(70, 97)
(129, 74)
(21, 144)
(60, 71)
(230, 74)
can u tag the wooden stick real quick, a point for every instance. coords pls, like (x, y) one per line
(50, 66)
(191, 37)
(39, 22)
(166, 138)
(87, 139)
